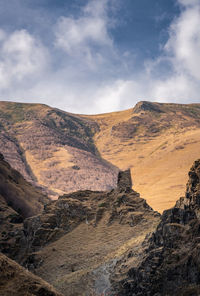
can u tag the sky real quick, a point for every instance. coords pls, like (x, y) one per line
(96, 56)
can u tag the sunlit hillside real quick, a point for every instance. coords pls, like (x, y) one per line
(159, 142)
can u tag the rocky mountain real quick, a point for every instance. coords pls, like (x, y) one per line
(169, 262)
(101, 243)
(75, 242)
(63, 152)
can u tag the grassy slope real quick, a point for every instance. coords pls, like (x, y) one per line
(158, 142)
(116, 223)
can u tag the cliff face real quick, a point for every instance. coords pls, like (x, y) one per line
(170, 262)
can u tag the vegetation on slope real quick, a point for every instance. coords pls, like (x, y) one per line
(53, 148)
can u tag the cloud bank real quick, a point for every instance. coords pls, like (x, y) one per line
(82, 70)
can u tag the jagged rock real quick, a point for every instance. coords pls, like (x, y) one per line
(169, 264)
(124, 181)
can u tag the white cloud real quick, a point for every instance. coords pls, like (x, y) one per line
(87, 36)
(22, 57)
(184, 42)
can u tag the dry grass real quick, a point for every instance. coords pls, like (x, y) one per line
(85, 249)
(159, 161)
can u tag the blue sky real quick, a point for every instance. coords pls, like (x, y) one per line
(94, 56)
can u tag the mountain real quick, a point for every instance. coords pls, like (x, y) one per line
(169, 262)
(75, 242)
(100, 242)
(157, 141)
(63, 152)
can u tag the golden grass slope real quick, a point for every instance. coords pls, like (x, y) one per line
(158, 142)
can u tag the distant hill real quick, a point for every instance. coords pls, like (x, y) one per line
(64, 152)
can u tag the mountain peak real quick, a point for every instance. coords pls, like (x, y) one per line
(147, 106)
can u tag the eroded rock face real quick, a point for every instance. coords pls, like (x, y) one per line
(170, 261)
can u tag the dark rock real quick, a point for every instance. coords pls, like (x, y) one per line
(124, 182)
(170, 263)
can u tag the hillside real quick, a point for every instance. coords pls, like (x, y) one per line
(75, 242)
(17, 193)
(157, 141)
(63, 152)
(18, 200)
(53, 149)
(101, 243)
(17, 281)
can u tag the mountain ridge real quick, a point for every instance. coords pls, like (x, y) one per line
(64, 152)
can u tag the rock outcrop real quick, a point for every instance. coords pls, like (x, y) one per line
(169, 263)
(81, 235)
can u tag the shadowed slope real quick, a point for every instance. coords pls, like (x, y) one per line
(17, 193)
